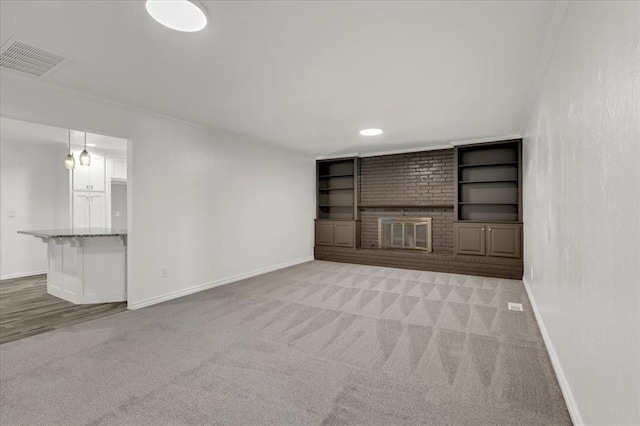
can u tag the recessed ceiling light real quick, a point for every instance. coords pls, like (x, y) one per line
(371, 132)
(91, 144)
(180, 15)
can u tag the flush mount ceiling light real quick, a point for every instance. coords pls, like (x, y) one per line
(371, 132)
(179, 15)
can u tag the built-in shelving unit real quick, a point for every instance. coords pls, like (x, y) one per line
(488, 182)
(488, 199)
(337, 193)
(337, 209)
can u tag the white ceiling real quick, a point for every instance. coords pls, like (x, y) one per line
(26, 132)
(307, 75)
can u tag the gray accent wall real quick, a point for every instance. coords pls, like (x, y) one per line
(413, 179)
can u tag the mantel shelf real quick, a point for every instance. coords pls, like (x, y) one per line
(504, 163)
(402, 206)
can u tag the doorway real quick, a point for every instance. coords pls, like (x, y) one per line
(118, 204)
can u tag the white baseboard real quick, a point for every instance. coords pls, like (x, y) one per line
(184, 292)
(572, 406)
(78, 299)
(22, 274)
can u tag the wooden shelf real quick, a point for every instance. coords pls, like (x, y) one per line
(487, 204)
(490, 181)
(336, 189)
(514, 222)
(507, 163)
(338, 175)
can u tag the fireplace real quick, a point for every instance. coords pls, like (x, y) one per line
(412, 233)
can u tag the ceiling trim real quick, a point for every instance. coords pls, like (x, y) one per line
(550, 41)
(485, 140)
(449, 145)
(405, 151)
(131, 108)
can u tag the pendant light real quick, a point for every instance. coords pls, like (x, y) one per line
(69, 161)
(85, 158)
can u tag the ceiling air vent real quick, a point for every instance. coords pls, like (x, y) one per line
(24, 57)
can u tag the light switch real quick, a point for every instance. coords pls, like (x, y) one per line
(11, 213)
(117, 213)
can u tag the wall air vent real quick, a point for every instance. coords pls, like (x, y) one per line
(24, 57)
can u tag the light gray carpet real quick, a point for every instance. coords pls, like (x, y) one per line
(318, 343)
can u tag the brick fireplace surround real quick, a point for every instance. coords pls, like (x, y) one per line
(419, 184)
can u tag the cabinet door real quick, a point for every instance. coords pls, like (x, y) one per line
(503, 240)
(119, 170)
(470, 238)
(81, 176)
(96, 179)
(324, 233)
(97, 213)
(81, 203)
(343, 234)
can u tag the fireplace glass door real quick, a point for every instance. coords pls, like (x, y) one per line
(405, 233)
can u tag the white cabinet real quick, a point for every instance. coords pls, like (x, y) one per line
(119, 168)
(89, 210)
(81, 213)
(89, 178)
(97, 211)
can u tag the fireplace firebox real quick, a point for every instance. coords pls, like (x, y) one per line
(412, 233)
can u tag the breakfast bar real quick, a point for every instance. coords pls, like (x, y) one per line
(86, 265)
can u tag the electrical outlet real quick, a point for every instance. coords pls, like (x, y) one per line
(164, 273)
(515, 306)
(11, 213)
(531, 270)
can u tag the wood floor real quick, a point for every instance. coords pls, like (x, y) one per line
(26, 309)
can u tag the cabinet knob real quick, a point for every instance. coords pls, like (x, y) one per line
(483, 228)
(489, 229)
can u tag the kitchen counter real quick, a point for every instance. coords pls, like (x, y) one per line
(86, 265)
(82, 232)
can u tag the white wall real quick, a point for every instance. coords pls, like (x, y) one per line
(582, 210)
(31, 175)
(206, 205)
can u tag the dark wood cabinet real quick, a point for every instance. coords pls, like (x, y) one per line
(503, 240)
(488, 239)
(324, 233)
(470, 238)
(339, 233)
